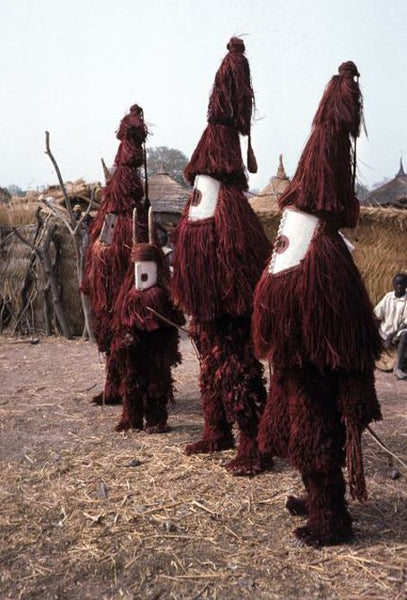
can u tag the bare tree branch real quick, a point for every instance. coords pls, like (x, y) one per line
(59, 214)
(61, 181)
(85, 214)
(79, 236)
(24, 240)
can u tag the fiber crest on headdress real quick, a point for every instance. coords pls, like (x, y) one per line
(324, 181)
(230, 108)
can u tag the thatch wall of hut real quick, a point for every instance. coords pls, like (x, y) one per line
(16, 275)
(379, 240)
(15, 259)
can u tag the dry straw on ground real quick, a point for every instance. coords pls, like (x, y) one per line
(88, 513)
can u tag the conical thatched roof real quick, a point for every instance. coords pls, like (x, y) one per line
(268, 197)
(166, 195)
(393, 193)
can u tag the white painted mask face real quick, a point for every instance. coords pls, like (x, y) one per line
(204, 198)
(107, 233)
(294, 237)
(145, 274)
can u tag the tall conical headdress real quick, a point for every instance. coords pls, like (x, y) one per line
(229, 113)
(324, 181)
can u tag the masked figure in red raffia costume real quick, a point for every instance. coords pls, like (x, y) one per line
(220, 250)
(145, 345)
(313, 320)
(108, 255)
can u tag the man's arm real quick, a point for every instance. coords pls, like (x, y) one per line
(379, 309)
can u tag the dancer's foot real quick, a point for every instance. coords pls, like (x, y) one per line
(125, 425)
(109, 400)
(209, 446)
(317, 537)
(250, 465)
(297, 506)
(159, 428)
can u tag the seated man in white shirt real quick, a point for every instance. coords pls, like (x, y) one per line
(392, 314)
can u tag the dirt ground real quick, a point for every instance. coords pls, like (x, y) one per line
(88, 513)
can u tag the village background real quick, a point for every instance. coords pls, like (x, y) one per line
(89, 513)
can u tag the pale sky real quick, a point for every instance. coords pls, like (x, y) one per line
(74, 67)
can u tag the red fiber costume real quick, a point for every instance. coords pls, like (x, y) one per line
(144, 345)
(220, 250)
(108, 255)
(313, 320)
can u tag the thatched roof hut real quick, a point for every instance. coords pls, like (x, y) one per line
(393, 193)
(269, 196)
(79, 192)
(167, 197)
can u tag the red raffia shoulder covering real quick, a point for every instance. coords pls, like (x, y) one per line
(131, 307)
(218, 261)
(317, 313)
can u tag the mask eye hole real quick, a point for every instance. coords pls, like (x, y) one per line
(196, 197)
(144, 277)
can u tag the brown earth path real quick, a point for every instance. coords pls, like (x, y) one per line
(78, 522)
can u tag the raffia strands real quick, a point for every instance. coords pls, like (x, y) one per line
(318, 312)
(124, 190)
(229, 113)
(147, 385)
(232, 391)
(274, 428)
(232, 97)
(106, 265)
(323, 183)
(276, 320)
(354, 462)
(132, 308)
(236, 375)
(218, 154)
(131, 312)
(194, 285)
(111, 392)
(353, 385)
(129, 154)
(104, 272)
(218, 261)
(300, 419)
(146, 346)
(338, 325)
(356, 416)
(132, 126)
(241, 252)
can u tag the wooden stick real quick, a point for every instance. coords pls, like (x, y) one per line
(157, 314)
(384, 447)
(61, 181)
